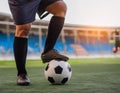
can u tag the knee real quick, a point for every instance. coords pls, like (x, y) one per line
(22, 31)
(62, 10)
(58, 9)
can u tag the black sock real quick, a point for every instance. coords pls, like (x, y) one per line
(20, 53)
(54, 29)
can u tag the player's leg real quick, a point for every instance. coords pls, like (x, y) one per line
(23, 14)
(58, 9)
(20, 52)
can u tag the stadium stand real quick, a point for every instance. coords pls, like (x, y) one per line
(79, 49)
(6, 45)
(33, 44)
(74, 39)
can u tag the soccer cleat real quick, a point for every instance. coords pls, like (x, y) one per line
(23, 80)
(53, 54)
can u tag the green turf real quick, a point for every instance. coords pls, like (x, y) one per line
(100, 75)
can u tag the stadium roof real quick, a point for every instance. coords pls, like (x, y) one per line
(7, 19)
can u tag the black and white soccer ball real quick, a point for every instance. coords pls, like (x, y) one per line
(58, 72)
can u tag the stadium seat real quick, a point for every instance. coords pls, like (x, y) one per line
(6, 45)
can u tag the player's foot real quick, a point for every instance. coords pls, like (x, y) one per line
(53, 54)
(23, 80)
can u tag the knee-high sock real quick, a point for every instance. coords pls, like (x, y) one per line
(20, 53)
(54, 29)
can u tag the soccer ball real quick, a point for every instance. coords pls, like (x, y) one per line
(58, 72)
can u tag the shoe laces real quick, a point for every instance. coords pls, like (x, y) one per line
(55, 50)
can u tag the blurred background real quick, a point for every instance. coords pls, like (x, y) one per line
(89, 30)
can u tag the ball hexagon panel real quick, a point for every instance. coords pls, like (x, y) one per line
(58, 70)
(64, 80)
(51, 80)
(69, 68)
(47, 67)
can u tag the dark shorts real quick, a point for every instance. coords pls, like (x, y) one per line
(24, 11)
